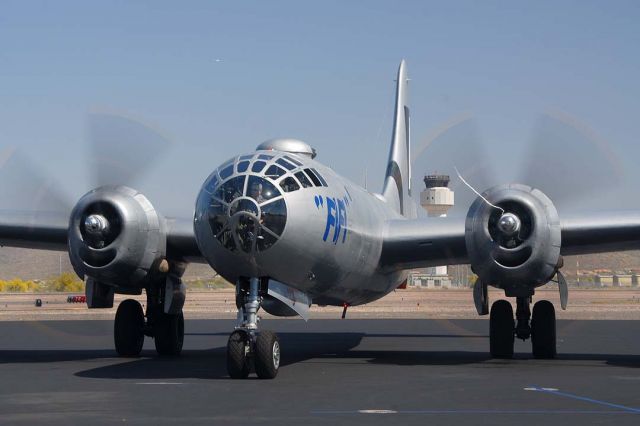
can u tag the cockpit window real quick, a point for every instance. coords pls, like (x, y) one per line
(211, 185)
(274, 216)
(293, 160)
(260, 189)
(265, 156)
(246, 157)
(243, 166)
(231, 189)
(315, 172)
(217, 216)
(289, 184)
(274, 172)
(285, 164)
(258, 166)
(313, 177)
(304, 180)
(226, 172)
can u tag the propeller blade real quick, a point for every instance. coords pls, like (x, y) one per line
(23, 186)
(122, 149)
(455, 144)
(568, 161)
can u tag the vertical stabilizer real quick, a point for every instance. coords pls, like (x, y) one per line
(397, 182)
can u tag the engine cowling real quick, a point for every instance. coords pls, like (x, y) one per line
(117, 237)
(516, 244)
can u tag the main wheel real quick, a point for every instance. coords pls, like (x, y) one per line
(501, 329)
(168, 333)
(267, 355)
(128, 329)
(543, 330)
(238, 348)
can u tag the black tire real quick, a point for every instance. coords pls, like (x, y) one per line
(168, 333)
(543, 330)
(267, 355)
(128, 329)
(237, 360)
(502, 324)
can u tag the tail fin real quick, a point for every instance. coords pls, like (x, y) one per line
(397, 182)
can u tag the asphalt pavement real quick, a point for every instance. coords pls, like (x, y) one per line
(334, 372)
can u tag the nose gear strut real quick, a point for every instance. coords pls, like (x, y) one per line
(246, 346)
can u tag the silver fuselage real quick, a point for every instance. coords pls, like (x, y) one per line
(330, 247)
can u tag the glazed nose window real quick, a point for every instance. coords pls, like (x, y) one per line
(246, 213)
(244, 205)
(261, 189)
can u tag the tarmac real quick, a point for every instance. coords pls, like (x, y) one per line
(353, 371)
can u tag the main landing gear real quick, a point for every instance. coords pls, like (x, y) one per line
(130, 328)
(542, 329)
(246, 346)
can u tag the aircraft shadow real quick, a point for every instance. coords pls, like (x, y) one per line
(330, 347)
(297, 347)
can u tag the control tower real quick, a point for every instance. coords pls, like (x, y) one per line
(437, 199)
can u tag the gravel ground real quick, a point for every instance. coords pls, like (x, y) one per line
(611, 304)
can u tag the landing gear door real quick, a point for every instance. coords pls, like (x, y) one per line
(294, 299)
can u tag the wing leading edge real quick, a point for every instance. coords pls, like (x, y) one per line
(48, 231)
(429, 242)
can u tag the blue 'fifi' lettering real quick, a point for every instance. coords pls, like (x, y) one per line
(331, 217)
(342, 222)
(336, 219)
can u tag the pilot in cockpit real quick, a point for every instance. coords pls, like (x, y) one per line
(255, 192)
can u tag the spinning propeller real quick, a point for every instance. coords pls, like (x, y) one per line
(115, 235)
(513, 233)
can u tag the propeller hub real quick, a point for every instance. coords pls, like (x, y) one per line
(509, 224)
(96, 224)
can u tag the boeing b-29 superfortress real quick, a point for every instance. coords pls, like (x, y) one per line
(291, 232)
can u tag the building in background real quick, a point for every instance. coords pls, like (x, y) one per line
(436, 199)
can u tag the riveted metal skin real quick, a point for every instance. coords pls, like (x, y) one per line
(516, 263)
(134, 244)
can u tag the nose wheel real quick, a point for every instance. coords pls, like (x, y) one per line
(239, 354)
(541, 329)
(261, 351)
(247, 347)
(267, 355)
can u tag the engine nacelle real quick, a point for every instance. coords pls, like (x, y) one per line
(117, 237)
(515, 247)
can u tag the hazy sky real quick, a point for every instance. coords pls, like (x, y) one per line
(220, 77)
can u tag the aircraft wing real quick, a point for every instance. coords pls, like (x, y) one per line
(421, 243)
(441, 241)
(49, 231)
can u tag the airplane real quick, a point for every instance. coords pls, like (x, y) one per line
(291, 232)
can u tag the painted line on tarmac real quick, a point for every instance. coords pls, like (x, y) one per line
(160, 383)
(553, 391)
(463, 412)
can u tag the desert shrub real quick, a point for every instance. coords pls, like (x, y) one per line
(17, 285)
(66, 282)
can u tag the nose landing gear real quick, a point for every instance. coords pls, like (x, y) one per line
(246, 346)
(541, 329)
